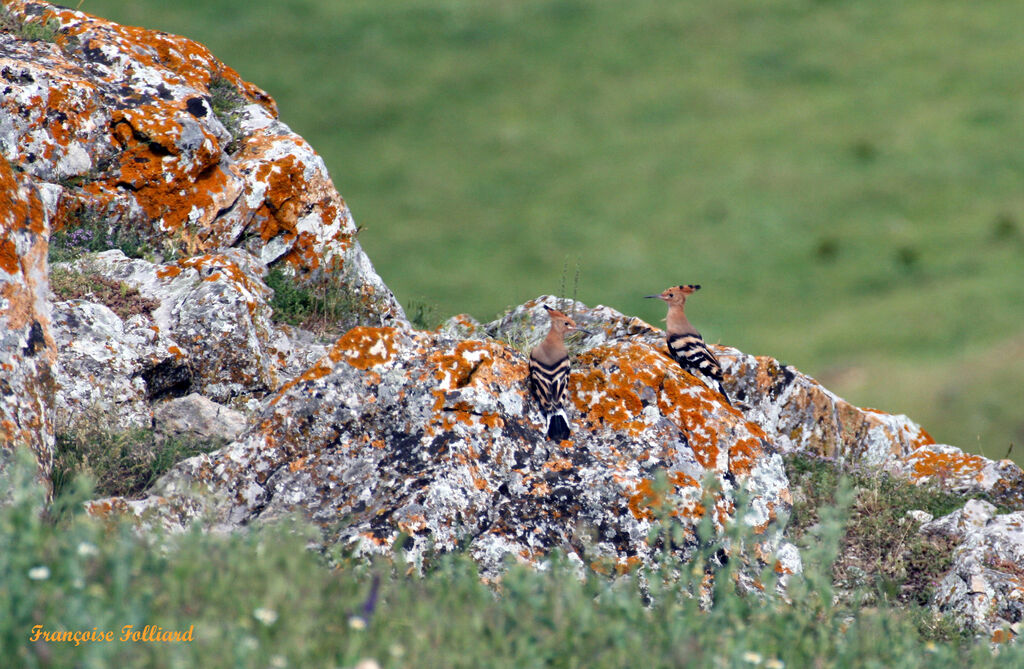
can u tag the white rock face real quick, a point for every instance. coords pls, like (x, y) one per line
(198, 417)
(212, 328)
(102, 364)
(984, 589)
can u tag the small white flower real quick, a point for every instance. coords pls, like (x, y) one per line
(279, 662)
(265, 615)
(752, 658)
(397, 650)
(357, 623)
(78, 584)
(775, 663)
(40, 573)
(85, 549)
(367, 663)
(250, 643)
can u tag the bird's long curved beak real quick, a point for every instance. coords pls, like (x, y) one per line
(650, 296)
(586, 332)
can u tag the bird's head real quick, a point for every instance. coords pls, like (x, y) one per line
(676, 295)
(562, 324)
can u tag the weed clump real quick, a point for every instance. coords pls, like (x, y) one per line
(333, 306)
(122, 299)
(119, 461)
(883, 558)
(87, 231)
(227, 103)
(33, 31)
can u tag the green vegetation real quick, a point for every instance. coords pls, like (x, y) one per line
(37, 30)
(882, 557)
(119, 297)
(329, 307)
(69, 572)
(118, 461)
(227, 101)
(842, 177)
(87, 231)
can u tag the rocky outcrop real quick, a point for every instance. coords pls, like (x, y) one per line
(433, 438)
(27, 350)
(172, 151)
(196, 417)
(210, 332)
(138, 140)
(1001, 481)
(984, 589)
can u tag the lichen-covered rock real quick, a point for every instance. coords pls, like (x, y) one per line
(211, 331)
(397, 432)
(151, 134)
(984, 589)
(1002, 481)
(802, 415)
(795, 411)
(104, 365)
(27, 350)
(198, 417)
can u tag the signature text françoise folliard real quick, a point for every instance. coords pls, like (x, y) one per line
(128, 633)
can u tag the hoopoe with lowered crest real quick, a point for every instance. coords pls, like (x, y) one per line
(549, 373)
(685, 344)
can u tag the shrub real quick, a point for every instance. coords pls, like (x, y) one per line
(118, 461)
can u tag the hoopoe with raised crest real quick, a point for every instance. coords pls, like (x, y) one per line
(685, 344)
(549, 373)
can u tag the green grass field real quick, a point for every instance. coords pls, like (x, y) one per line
(844, 178)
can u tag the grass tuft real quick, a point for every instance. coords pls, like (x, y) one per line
(122, 299)
(329, 308)
(227, 103)
(88, 231)
(118, 461)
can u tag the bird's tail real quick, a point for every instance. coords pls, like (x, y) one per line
(558, 426)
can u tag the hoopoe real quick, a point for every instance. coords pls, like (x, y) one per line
(549, 373)
(685, 344)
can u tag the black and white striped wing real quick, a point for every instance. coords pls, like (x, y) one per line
(548, 383)
(690, 351)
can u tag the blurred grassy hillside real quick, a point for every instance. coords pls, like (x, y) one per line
(844, 178)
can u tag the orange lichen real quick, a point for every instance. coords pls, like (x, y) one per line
(9, 256)
(297, 465)
(558, 464)
(743, 454)
(1002, 636)
(168, 272)
(921, 439)
(645, 501)
(928, 463)
(455, 369)
(363, 347)
(605, 389)
(690, 412)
